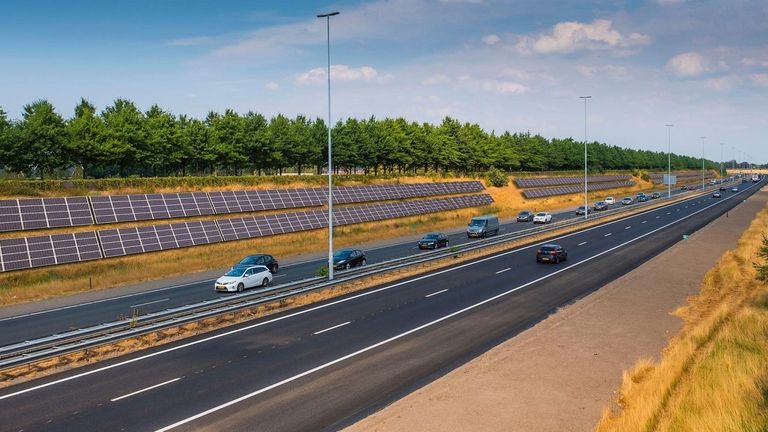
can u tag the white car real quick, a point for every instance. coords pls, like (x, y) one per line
(610, 200)
(542, 217)
(243, 277)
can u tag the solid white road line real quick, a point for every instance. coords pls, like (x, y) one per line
(581, 244)
(146, 389)
(437, 292)
(504, 270)
(343, 300)
(149, 303)
(332, 328)
(411, 331)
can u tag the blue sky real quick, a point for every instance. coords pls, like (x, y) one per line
(507, 65)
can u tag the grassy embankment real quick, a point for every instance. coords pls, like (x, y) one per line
(38, 284)
(713, 375)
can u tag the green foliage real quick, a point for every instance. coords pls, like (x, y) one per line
(122, 141)
(322, 271)
(496, 177)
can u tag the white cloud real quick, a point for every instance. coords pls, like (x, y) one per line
(272, 86)
(687, 64)
(572, 36)
(503, 87)
(436, 79)
(341, 73)
(611, 71)
(760, 79)
(720, 84)
(491, 39)
(752, 62)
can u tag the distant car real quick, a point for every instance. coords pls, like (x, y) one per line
(581, 210)
(601, 206)
(260, 259)
(553, 253)
(542, 218)
(717, 195)
(525, 216)
(642, 198)
(734, 189)
(723, 188)
(348, 258)
(744, 180)
(713, 181)
(684, 187)
(240, 278)
(655, 195)
(433, 241)
(610, 201)
(627, 201)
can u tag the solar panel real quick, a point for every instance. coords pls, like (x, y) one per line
(130, 208)
(681, 175)
(30, 252)
(128, 241)
(558, 181)
(564, 190)
(266, 225)
(41, 213)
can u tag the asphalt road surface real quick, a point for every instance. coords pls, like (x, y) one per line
(326, 365)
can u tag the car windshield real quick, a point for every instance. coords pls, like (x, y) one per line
(524, 213)
(342, 254)
(581, 207)
(236, 272)
(541, 214)
(477, 222)
(547, 248)
(431, 237)
(250, 260)
(600, 203)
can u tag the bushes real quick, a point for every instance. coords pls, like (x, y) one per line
(496, 177)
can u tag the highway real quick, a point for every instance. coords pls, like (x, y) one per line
(326, 365)
(45, 323)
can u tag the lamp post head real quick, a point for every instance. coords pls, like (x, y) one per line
(330, 14)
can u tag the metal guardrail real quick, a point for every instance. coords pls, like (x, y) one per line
(39, 349)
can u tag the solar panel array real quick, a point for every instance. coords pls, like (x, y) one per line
(358, 194)
(266, 225)
(127, 241)
(130, 208)
(559, 181)
(29, 252)
(40, 213)
(564, 190)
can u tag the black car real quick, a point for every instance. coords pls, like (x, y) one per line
(723, 188)
(642, 198)
(601, 206)
(553, 253)
(582, 209)
(348, 258)
(655, 195)
(525, 216)
(433, 241)
(261, 259)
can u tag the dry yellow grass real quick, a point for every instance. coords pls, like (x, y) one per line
(43, 283)
(714, 374)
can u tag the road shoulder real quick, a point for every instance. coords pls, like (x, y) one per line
(559, 375)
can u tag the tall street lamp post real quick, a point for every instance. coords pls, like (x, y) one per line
(702, 162)
(327, 17)
(669, 160)
(586, 201)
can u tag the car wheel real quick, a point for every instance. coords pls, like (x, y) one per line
(363, 262)
(557, 260)
(265, 282)
(240, 287)
(275, 268)
(565, 257)
(347, 266)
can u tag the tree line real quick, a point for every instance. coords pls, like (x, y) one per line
(122, 141)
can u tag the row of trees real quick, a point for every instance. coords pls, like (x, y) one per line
(122, 140)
